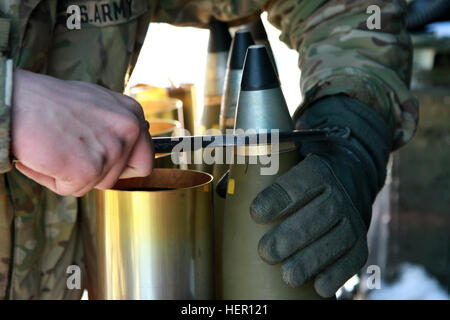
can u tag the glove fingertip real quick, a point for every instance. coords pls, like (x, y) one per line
(292, 276)
(269, 204)
(258, 210)
(266, 250)
(324, 290)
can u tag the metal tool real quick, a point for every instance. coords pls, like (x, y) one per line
(167, 144)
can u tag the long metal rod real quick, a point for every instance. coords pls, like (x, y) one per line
(191, 143)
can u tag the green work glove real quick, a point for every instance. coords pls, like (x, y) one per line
(322, 207)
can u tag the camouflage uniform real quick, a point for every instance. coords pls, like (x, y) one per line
(42, 233)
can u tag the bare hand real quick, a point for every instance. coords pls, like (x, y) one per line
(74, 136)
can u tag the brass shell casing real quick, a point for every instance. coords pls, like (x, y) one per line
(155, 237)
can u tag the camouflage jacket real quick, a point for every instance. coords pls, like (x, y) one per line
(41, 234)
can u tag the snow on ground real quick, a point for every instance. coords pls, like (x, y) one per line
(413, 284)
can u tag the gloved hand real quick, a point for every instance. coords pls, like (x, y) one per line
(323, 205)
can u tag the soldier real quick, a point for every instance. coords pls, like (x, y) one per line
(70, 137)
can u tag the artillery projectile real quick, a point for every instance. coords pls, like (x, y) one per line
(216, 66)
(218, 50)
(260, 36)
(261, 106)
(242, 40)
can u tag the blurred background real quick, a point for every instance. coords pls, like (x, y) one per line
(178, 55)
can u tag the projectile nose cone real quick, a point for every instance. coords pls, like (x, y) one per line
(261, 104)
(219, 37)
(242, 40)
(257, 29)
(259, 72)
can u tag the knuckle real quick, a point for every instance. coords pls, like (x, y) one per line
(94, 169)
(133, 104)
(115, 149)
(130, 126)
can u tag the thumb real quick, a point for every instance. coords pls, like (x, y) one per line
(141, 161)
(40, 178)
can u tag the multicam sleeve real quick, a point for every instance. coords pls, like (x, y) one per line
(6, 71)
(339, 53)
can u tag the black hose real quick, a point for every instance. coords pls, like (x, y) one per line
(424, 12)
